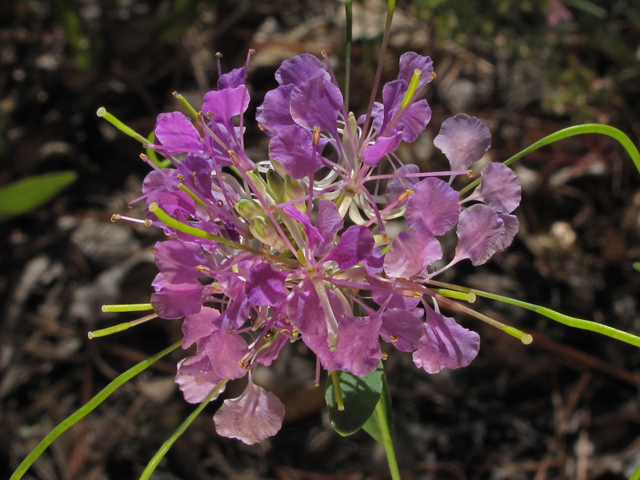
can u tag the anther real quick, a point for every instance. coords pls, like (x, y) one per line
(218, 55)
(115, 217)
(233, 157)
(220, 203)
(202, 268)
(144, 157)
(180, 177)
(393, 338)
(470, 174)
(153, 250)
(385, 356)
(316, 136)
(252, 51)
(404, 195)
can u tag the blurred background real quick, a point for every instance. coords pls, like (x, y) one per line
(565, 407)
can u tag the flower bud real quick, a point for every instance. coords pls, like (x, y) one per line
(275, 185)
(249, 209)
(259, 183)
(264, 230)
(294, 189)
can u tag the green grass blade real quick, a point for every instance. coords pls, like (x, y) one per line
(87, 408)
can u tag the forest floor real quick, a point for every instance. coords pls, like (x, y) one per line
(564, 407)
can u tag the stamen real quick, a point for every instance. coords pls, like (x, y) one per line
(316, 136)
(203, 269)
(411, 91)
(131, 307)
(404, 195)
(102, 112)
(190, 110)
(333, 331)
(120, 327)
(233, 157)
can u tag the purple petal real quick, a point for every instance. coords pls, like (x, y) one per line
(300, 69)
(328, 222)
(464, 140)
(233, 79)
(225, 350)
(399, 184)
(397, 300)
(316, 103)
(411, 253)
(402, 328)
(196, 379)
(265, 286)
(383, 146)
(433, 205)
(375, 263)
(176, 133)
(198, 325)
(252, 417)
(413, 121)
(198, 169)
(354, 246)
(306, 313)
(235, 315)
(312, 232)
(480, 234)
(445, 344)
(178, 260)
(358, 350)
(511, 225)
(294, 149)
(176, 300)
(274, 114)
(500, 188)
(227, 103)
(411, 61)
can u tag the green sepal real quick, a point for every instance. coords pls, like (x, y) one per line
(31, 192)
(371, 426)
(360, 394)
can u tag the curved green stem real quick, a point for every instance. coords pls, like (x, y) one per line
(151, 466)
(570, 132)
(553, 315)
(636, 474)
(87, 408)
(385, 432)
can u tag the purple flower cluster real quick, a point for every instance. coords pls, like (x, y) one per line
(266, 253)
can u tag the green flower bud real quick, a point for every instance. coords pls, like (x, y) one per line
(275, 185)
(294, 189)
(249, 209)
(264, 230)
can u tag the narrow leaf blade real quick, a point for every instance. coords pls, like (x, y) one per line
(31, 192)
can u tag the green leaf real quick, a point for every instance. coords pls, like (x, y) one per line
(31, 192)
(360, 394)
(371, 426)
(636, 266)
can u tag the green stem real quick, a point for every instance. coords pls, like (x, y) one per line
(151, 466)
(87, 408)
(570, 132)
(385, 432)
(553, 315)
(347, 61)
(338, 391)
(636, 474)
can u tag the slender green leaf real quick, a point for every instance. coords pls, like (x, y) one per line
(86, 409)
(360, 394)
(31, 192)
(371, 426)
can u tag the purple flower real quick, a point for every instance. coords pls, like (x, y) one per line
(262, 255)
